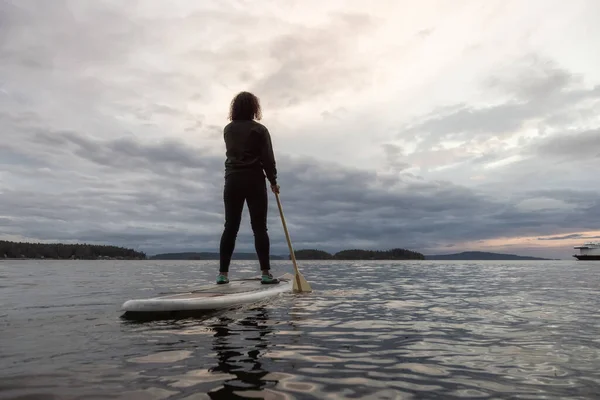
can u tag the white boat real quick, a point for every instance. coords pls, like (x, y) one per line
(588, 251)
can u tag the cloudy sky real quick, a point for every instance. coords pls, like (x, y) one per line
(435, 126)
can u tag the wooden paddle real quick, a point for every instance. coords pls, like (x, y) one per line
(300, 284)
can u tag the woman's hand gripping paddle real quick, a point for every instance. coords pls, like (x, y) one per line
(300, 284)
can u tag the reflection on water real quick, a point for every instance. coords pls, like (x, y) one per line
(231, 361)
(240, 359)
(369, 330)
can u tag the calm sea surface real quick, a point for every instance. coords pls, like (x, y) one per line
(377, 330)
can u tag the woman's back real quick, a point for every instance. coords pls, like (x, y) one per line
(248, 147)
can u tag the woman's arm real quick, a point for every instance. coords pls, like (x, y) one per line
(268, 158)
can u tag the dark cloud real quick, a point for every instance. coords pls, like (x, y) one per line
(168, 196)
(571, 236)
(563, 237)
(467, 121)
(425, 32)
(394, 154)
(537, 90)
(571, 145)
(537, 78)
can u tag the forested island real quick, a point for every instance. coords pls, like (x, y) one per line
(85, 251)
(207, 256)
(67, 251)
(358, 254)
(310, 254)
(481, 255)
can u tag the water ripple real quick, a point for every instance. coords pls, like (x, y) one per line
(372, 330)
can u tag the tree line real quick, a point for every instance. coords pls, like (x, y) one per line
(358, 254)
(208, 256)
(67, 251)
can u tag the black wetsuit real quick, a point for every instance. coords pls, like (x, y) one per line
(250, 158)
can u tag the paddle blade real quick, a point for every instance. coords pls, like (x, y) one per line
(301, 285)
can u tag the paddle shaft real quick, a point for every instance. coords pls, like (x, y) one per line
(289, 242)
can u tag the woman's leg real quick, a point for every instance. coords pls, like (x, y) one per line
(258, 207)
(233, 198)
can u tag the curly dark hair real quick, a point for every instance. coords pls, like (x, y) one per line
(245, 105)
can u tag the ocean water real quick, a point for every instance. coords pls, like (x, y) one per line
(370, 330)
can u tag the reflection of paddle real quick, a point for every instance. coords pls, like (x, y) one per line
(300, 284)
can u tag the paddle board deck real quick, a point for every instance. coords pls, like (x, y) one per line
(213, 297)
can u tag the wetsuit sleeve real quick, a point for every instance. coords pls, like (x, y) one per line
(268, 158)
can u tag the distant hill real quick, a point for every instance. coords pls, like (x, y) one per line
(357, 254)
(312, 254)
(207, 256)
(354, 254)
(480, 255)
(309, 254)
(62, 251)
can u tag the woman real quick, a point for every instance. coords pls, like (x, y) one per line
(249, 153)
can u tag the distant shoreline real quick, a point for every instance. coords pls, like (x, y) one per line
(483, 256)
(357, 255)
(58, 251)
(310, 254)
(62, 251)
(71, 259)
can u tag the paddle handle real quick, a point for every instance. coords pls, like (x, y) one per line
(287, 235)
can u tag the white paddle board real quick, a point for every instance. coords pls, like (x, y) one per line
(213, 297)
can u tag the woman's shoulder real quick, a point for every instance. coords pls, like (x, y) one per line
(246, 124)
